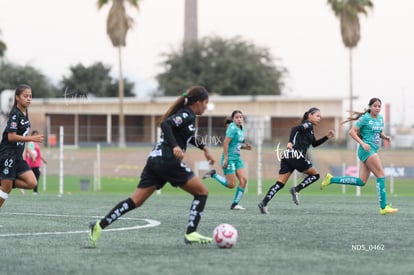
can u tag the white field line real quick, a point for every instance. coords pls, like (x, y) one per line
(150, 223)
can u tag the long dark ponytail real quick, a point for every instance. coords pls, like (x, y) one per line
(191, 96)
(356, 115)
(309, 112)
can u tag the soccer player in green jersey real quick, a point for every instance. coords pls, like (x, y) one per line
(367, 132)
(233, 165)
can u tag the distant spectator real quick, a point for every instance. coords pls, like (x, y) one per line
(34, 159)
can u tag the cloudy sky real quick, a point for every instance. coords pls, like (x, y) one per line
(53, 35)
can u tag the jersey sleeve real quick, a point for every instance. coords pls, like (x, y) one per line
(177, 120)
(231, 131)
(293, 132)
(12, 123)
(193, 141)
(301, 128)
(317, 142)
(167, 126)
(361, 121)
(382, 120)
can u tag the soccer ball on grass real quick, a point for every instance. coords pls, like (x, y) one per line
(225, 235)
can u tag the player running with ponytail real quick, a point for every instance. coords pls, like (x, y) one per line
(294, 158)
(367, 132)
(164, 164)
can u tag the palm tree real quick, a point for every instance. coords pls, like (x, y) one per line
(117, 25)
(348, 11)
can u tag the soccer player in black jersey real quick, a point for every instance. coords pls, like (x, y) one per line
(14, 171)
(164, 164)
(294, 157)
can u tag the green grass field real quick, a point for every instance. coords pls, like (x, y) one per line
(329, 233)
(402, 187)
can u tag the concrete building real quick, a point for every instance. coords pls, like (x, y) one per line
(95, 120)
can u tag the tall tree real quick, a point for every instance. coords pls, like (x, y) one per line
(12, 75)
(348, 12)
(3, 47)
(94, 80)
(117, 26)
(224, 66)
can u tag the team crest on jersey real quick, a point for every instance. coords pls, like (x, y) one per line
(6, 171)
(178, 120)
(13, 125)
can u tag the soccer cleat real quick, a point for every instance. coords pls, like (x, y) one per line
(263, 208)
(195, 237)
(326, 181)
(388, 210)
(237, 207)
(95, 232)
(209, 174)
(295, 195)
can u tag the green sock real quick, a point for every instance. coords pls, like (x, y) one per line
(222, 180)
(382, 195)
(238, 195)
(348, 181)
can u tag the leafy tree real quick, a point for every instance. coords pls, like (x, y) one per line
(12, 75)
(118, 24)
(3, 47)
(226, 67)
(348, 13)
(93, 80)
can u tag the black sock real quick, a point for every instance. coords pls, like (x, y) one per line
(272, 191)
(119, 210)
(306, 182)
(197, 207)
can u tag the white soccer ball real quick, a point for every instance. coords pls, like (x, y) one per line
(225, 235)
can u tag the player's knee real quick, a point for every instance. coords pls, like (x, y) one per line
(243, 182)
(4, 195)
(6, 186)
(201, 192)
(231, 184)
(32, 184)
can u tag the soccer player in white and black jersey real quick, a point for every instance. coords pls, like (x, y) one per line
(164, 164)
(294, 157)
(14, 171)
